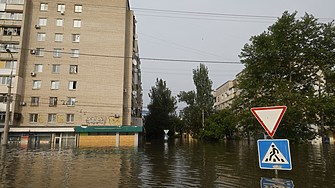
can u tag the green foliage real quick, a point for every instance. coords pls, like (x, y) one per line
(290, 64)
(220, 125)
(161, 110)
(201, 100)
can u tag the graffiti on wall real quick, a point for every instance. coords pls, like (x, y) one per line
(40, 118)
(110, 120)
(60, 119)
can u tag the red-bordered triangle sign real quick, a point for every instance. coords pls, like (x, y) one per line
(269, 117)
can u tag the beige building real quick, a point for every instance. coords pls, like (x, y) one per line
(77, 66)
(224, 95)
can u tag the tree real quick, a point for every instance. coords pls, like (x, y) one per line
(199, 103)
(220, 125)
(161, 110)
(285, 65)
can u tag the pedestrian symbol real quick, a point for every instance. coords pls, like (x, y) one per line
(274, 156)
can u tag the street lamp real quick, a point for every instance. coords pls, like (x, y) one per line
(6, 127)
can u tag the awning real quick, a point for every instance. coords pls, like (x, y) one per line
(109, 129)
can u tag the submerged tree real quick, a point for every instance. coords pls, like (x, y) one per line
(220, 125)
(161, 110)
(285, 65)
(199, 103)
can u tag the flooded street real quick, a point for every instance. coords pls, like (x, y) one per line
(176, 163)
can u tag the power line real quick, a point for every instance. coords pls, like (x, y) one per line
(197, 18)
(203, 13)
(189, 60)
(186, 47)
(150, 58)
(195, 13)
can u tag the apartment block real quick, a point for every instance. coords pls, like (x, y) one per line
(224, 95)
(77, 72)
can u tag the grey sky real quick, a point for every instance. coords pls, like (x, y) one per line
(208, 38)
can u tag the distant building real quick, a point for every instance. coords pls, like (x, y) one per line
(224, 95)
(77, 72)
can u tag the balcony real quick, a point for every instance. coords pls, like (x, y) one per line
(5, 55)
(10, 38)
(17, 23)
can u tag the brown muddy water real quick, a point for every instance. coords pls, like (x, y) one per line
(175, 163)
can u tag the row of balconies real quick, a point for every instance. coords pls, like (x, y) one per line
(16, 23)
(5, 55)
(10, 38)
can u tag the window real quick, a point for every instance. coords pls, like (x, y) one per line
(73, 69)
(11, 64)
(4, 80)
(13, 47)
(58, 37)
(39, 52)
(53, 101)
(78, 8)
(60, 7)
(52, 118)
(3, 98)
(40, 36)
(37, 84)
(34, 101)
(55, 68)
(33, 118)
(71, 101)
(72, 85)
(69, 118)
(38, 68)
(74, 53)
(18, 2)
(59, 22)
(11, 31)
(11, 16)
(57, 52)
(44, 7)
(76, 23)
(42, 22)
(2, 117)
(75, 37)
(54, 84)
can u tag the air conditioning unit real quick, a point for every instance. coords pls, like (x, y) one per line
(62, 12)
(37, 26)
(33, 74)
(32, 51)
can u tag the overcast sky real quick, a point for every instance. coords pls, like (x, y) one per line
(206, 30)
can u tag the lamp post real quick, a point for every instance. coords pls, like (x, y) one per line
(6, 127)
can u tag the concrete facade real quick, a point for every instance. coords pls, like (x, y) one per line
(224, 95)
(78, 65)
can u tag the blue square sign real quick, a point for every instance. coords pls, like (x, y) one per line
(274, 154)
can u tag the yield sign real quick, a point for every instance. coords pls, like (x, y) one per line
(269, 117)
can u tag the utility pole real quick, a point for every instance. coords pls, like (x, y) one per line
(6, 127)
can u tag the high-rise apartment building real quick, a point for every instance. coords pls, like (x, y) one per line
(77, 72)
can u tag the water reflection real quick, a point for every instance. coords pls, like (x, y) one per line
(175, 163)
(276, 182)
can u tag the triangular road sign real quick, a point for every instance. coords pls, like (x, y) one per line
(274, 156)
(269, 117)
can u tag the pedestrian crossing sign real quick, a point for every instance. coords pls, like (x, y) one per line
(274, 154)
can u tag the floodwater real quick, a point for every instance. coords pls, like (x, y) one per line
(175, 163)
